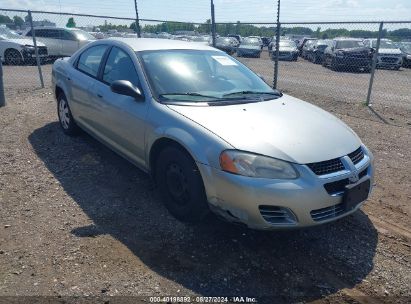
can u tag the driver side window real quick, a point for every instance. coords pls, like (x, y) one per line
(119, 66)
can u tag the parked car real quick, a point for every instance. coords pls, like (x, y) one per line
(201, 39)
(16, 49)
(389, 54)
(302, 42)
(61, 41)
(212, 134)
(287, 51)
(259, 40)
(406, 50)
(237, 37)
(317, 54)
(308, 48)
(249, 47)
(349, 53)
(226, 44)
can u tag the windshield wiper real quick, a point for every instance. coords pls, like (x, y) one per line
(278, 94)
(188, 94)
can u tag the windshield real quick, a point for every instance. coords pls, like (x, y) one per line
(384, 44)
(201, 76)
(82, 35)
(5, 33)
(406, 47)
(287, 43)
(348, 44)
(251, 41)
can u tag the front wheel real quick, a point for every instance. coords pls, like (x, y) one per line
(66, 119)
(181, 185)
(13, 57)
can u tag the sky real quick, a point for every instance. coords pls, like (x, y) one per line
(230, 10)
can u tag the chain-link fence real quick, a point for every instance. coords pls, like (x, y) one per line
(351, 62)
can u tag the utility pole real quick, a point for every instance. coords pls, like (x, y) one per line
(137, 20)
(277, 46)
(212, 23)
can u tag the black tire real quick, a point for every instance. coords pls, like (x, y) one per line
(13, 57)
(66, 119)
(333, 65)
(181, 185)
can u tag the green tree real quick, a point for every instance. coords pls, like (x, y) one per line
(70, 22)
(5, 19)
(18, 21)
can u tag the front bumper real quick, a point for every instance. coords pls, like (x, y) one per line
(353, 62)
(246, 52)
(246, 200)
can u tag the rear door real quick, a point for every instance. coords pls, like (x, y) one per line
(122, 118)
(69, 43)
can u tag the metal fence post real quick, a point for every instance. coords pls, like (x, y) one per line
(137, 20)
(277, 47)
(212, 23)
(374, 64)
(2, 97)
(33, 34)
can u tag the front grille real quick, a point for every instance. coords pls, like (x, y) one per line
(277, 215)
(327, 167)
(339, 186)
(284, 53)
(356, 156)
(389, 59)
(326, 213)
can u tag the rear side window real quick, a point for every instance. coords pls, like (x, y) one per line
(119, 66)
(89, 61)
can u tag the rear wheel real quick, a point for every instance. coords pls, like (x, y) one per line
(181, 185)
(66, 119)
(13, 57)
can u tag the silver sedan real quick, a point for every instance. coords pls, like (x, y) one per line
(212, 134)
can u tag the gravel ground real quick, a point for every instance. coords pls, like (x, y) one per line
(78, 220)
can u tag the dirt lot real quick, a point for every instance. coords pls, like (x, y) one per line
(77, 220)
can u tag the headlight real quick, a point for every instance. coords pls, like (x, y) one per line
(29, 48)
(253, 165)
(340, 53)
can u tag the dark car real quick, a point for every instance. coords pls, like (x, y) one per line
(226, 44)
(266, 41)
(249, 47)
(307, 49)
(287, 51)
(406, 50)
(348, 53)
(317, 54)
(302, 42)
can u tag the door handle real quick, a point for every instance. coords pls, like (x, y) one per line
(99, 95)
(68, 78)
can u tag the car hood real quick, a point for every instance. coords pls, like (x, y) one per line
(390, 51)
(250, 47)
(25, 41)
(285, 128)
(356, 50)
(287, 49)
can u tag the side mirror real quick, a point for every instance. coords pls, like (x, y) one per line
(125, 87)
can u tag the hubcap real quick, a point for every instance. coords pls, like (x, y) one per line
(64, 114)
(13, 57)
(177, 184)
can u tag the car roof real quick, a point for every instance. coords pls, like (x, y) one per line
(348, 38)
(153, 44)
(57, 28)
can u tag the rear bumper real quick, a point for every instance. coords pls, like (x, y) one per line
(246, 52)
(302, 201)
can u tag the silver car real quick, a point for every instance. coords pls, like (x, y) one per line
(212, 134)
